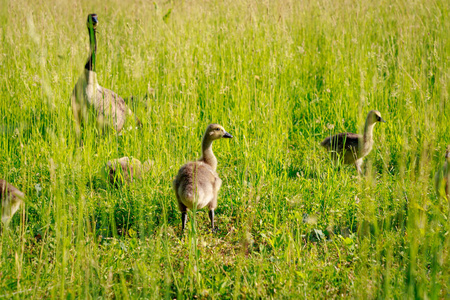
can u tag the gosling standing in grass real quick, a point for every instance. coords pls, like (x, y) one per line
(442, 178)
(197, 183)
(110, 109)
(351, 147)
(11, 198)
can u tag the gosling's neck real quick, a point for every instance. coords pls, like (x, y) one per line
(208, 156)
(368, 137)
(90, 64)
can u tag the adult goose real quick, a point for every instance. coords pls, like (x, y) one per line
(352, 147)
(197, 183)
(109, 108)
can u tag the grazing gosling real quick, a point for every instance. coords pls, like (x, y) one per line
(11, 198)
(351, 147)
(110, 109)
(126, 170)
(197, 183)
(442, 177)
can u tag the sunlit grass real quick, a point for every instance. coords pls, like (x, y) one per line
(277, 75)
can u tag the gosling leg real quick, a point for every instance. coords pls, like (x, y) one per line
(183, 220)
(211, 217)
(183, 210)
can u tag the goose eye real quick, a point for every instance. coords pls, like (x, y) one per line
(217, 129)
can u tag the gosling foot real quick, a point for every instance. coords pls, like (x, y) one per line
(211, 217)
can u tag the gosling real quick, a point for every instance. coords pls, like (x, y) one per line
(351, 147)
(11, 198)
(197, 183)
(442, 177)
(126, 170)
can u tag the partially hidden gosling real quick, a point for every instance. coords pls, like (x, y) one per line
(197, 183)
(352, 147)
(11, 198)
(442, 178)
(126, 170)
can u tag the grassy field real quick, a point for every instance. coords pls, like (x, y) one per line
(279, 76)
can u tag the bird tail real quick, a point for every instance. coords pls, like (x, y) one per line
(19, 194)
(138, 122)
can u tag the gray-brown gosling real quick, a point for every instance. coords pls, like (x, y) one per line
(197, 183)
(110, 109)
(126, 170)
(11, 198)
(442, 177)
(352, 147)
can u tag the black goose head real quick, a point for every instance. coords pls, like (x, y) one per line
(92, 22)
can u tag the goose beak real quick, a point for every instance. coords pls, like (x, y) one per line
(227, 135)
(382, 120)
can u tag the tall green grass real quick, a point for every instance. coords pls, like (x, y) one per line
(278, 75)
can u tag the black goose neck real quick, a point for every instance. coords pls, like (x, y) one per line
(90, 64)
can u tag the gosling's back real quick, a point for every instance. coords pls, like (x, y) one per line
(124, 170)
(197, 183)
(347, 144)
